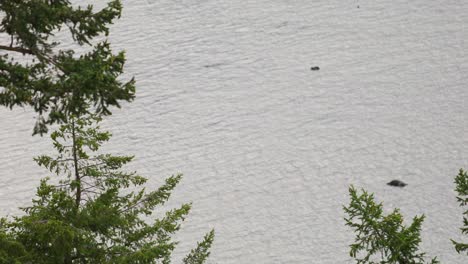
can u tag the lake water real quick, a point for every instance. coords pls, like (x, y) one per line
(267, 146)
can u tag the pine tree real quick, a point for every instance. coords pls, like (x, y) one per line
(382, 238)
(95, 212)
(461, 181)
(56, 82)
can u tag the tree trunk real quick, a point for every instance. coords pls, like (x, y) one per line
(75, 163)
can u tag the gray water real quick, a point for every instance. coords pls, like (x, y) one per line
(267, 146)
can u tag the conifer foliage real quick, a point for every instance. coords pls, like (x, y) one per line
(382, 238)
(461, 181)
(55, 81)
(94, 213)
(91, 210)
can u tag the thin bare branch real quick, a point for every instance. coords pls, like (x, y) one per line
(17, 49)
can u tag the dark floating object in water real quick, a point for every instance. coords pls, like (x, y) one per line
(315, 68)
(214, 65)
(397, 183)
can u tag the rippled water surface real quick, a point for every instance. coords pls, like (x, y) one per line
(269, 147)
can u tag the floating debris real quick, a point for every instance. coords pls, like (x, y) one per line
(397, 183)
(214, 65)
(315, 68)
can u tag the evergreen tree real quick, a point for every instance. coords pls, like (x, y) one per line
(54, 81)
(94, 213)
(461, 181)
(11, 251)
(382, 238)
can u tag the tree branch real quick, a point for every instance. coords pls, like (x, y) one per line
(16, 49)
(38, 55)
